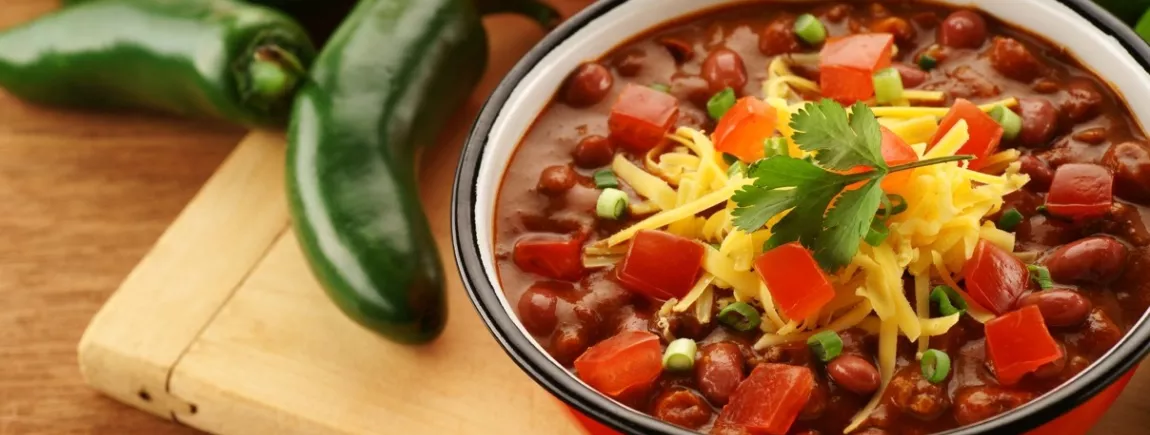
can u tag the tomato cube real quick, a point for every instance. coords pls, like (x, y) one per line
(641, 117)
(985, 132)
(769, 400)
(742, 131)
(847, 65)
(895, 151)
(552, 257)
(1018, 343)
(798, 286)
(1080, 190)
(628, 362)
(995, 278)
(661, 265)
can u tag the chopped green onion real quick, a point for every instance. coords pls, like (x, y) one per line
(810, 29)
(927, 62)
(775, 146)
(1041, 209)
(1011, 123)
(612, 204)
(729, 158)
(737, 168)
(877, 234)
(604, 178)
(680, 355)
(888, 86)
(935, 365)
(1009, 220)
(948, 300)
(720, 103)
(1041, 276)
(661, 87)
(826, 345)
(740, 315)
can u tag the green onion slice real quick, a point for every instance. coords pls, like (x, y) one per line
(810, 29)
(927, 62)
(740, 315)
(1009, 220)
(935, 365)
(612, 204)
(680, 355)
(877, 234)
(604, 178)
(775, 146)
(948, 300)
(1041, 276)
(737, 168)
(1011, 123)
(888, 86)
(826, 345)
(661, 87)
(720, 103)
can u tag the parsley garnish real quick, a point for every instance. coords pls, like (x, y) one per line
(808, 187)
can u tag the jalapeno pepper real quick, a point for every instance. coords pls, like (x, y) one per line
(221, 59)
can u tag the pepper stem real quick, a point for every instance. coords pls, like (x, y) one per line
(274, 73)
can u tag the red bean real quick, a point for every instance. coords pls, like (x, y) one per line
(724, 68)
(630, 319)
(536, 309)
(568, 342)
(680, 50)
(1083, 101)
(779, 37)
(1130, 162)
(1012, 59)
(1096, 259)
(588, 85)
(975, 404)
(1039, 120)
(912, 76)
(963, 29)
(682, 407)
(901, 29)
(1040, 173)
(966, 82)
(556, 179)
(1053, 369)
(686, 325)
(719, 371)
(1092, 136)
(1099, 334)
(855, 374)
(1059, 307)
(593, 152)
(916, 396)
(630, 63)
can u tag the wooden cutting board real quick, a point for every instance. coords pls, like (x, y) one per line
(222, 327)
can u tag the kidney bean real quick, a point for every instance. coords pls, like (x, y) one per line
(686, 325)
(568, 342)
(817, 404)
(680, 50)
(1053, 369)
(719, 371)
(593, 151)
(724, 68)
(556, 179)
(914, 395)
(797, 354)
(1041, 230)
(970, 83)
(1082, 102)
(779, 37)
(682, 407)
(1012, 59)
(1099, 334)
(962, 29)
(901, 29)
(1046, 86)
(630, 319)
(912, 76)
(1059, 307)
(630, 63)
(588, 85)
(1126, 222)
(855, 374)
(1092, 136)
(1041, 175)
(1130, 162)
(1039, 121)
(1097, 259)
(975, 404)
(536, 309)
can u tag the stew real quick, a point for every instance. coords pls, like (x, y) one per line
(818, 218)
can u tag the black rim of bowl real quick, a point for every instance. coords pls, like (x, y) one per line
(559, 382)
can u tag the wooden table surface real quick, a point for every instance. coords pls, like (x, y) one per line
(82, 199)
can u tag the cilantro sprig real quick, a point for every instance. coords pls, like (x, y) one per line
(822, 214)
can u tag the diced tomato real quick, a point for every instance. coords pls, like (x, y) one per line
(895, 151)
(1080, 190)
(995, 278)
(661, 265)
(743, 129)
(628, 362)
(985, 132)
(769, 400)
(797, 284)
(1019, 343)
(552, 257)
(641, 117)
(847, 65)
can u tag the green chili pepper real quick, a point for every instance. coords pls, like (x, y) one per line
(221, 59)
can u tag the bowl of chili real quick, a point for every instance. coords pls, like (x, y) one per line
(601, 197)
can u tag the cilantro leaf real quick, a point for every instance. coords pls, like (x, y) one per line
(846, 224)
(779, 184)
(839, 143)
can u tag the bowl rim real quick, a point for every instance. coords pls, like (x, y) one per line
(564, 386)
